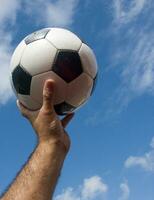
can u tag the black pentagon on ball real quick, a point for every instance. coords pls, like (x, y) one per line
(38, 35)
(21, 80)
(64, 108)
(67, 65)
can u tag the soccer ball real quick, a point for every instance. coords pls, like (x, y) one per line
(58, 54)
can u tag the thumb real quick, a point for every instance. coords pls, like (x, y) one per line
(48, 95)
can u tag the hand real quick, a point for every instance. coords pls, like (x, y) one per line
(45, 121)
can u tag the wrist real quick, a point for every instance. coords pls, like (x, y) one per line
(53, 145)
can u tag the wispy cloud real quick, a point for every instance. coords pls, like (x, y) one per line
(133, 51)
(131, 44)
(57, 13)
(125, 191)
(8, 12)
(91, 189)
(152, 143)
(126, 11)
(5, 54)
(146, 162)
(61, 13)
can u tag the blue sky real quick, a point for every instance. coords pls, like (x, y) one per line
(112, 152)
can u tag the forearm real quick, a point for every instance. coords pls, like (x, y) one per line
(38, 178)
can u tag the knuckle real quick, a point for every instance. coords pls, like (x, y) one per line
(47, 94)
(48, 112)
(46, 97)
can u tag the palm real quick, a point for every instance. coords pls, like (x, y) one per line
(45, 121)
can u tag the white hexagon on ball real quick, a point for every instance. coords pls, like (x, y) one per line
(63, 39)
(79, 90)
(38, 57)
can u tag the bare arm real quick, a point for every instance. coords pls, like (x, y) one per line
(38, 178)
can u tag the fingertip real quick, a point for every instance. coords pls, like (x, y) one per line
(66, 120)
(71, 114)
(50, 80)
(49, 85)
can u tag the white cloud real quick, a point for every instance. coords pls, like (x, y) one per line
(58, 13)
(8, 12)
(5, 54)
(61, 13)
(125, 191)
(146, 162)
(68, 194)
(91, 189)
